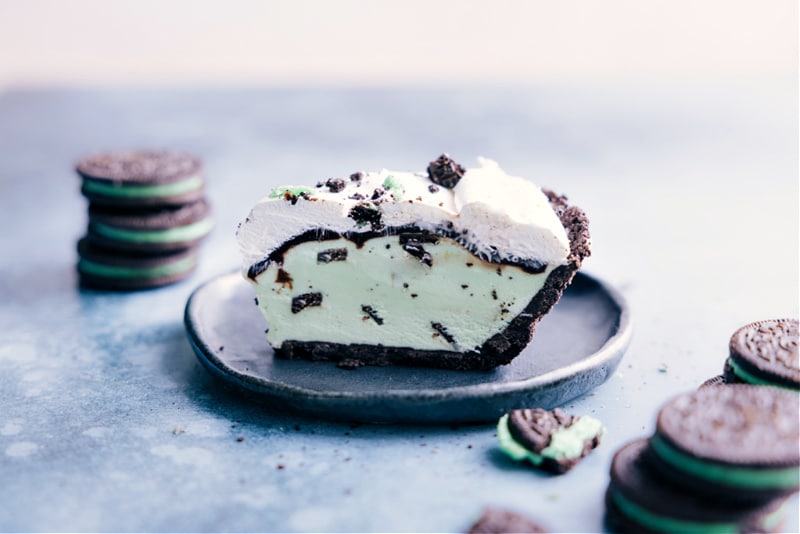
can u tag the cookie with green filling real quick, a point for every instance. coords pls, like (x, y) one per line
(550, 440)
(154, 230)
(765, 353)
(735, 441)
(143, 178)
(718, 380)
(99, 268)
(638, 499)
(500, 521)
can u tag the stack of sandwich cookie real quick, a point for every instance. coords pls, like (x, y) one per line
(638, 500)
(722, 459)
(147, 217)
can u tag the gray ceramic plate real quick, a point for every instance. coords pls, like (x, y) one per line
(576, 348)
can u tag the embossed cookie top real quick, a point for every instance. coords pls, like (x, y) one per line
(532, 428)
(499, 521)
(141, 167)
(734, 424)
(771, 346)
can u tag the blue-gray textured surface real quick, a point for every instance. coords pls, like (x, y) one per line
(108, 422)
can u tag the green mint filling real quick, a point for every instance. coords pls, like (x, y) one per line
(773, 520)
(660, 523)
(113, 189)
(395, 187)
(752, 379)
(747, 477)
(566, 442)
(114, 271)
(294, 190)
(169, 235)
(511, 447)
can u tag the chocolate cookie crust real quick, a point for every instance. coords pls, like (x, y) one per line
(500, 349)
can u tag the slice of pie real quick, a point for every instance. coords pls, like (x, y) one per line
(448, 268)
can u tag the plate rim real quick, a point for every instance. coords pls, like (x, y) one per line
(610, 352)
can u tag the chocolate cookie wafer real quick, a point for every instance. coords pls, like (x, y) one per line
(738, 442)
(639, 500)
(144, 178)
(550, 440)
(718, 380)
(153, 230)
(765, 353)
(499, 521)
(99, 268)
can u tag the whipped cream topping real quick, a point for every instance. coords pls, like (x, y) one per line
(498, 217)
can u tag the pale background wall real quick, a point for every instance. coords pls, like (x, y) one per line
(353, 42)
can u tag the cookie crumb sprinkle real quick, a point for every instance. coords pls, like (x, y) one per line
(445, 172)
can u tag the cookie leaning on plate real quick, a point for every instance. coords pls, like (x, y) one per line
(142, 179)
(155, 230)
(765, 353)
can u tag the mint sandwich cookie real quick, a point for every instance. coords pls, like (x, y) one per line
(143, 178)
(99, 268)
(152, 230)
(735, 441)
(639, 500)
(718, 380)
(765, 353)
(452, 267)
(550, 440)
(500, 521)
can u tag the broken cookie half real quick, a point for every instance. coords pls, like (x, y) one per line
(450, 268)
